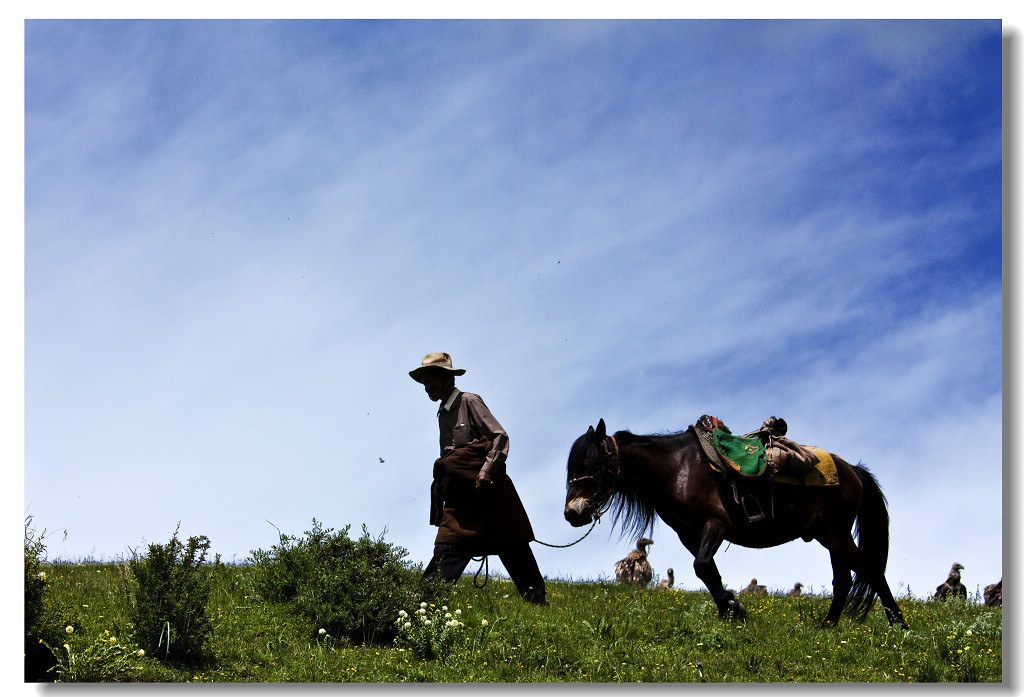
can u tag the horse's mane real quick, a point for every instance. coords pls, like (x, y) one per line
(633, 506)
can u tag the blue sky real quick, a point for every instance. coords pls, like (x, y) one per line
(240, 236)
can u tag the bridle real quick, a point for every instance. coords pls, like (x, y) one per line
(611, 467)
(612, 457)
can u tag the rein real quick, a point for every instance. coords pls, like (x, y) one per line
(613, 456)
(483, 560)
(597, 519)
(483, 567)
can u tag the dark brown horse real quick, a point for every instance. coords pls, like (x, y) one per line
(671, 477)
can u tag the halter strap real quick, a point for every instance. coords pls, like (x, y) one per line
(612, 453)
(613, 456)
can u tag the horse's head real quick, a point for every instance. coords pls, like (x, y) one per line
(590, 476)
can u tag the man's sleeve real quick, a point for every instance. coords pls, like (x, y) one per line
(488, 428)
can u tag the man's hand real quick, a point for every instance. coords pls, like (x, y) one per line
(483, 480)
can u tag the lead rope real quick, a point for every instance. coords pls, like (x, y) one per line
(483, 567)
(483, 560)
(597, 519)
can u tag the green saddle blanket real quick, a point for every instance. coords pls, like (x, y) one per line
(742, 454)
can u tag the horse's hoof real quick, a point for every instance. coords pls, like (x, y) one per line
(734, 610)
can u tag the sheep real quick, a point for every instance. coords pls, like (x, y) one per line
(952, 585)
(634, 569)
(666, 583)
(796, 590)
(754, 589)
(994, 594)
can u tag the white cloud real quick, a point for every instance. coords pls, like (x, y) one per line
(223, 300)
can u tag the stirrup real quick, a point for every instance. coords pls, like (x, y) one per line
(752, 517)
(742, 501)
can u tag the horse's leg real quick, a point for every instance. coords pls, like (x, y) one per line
(846, 556)
(707, 571)
(892, 610)
(842, 579)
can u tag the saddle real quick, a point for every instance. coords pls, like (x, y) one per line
(765, 454)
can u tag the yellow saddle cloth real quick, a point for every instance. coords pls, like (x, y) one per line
(822, 474)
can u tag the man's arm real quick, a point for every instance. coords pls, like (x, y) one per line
(487, 427)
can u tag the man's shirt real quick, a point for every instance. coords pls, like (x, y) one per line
(463, 419)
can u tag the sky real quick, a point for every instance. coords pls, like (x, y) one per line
(240, 236)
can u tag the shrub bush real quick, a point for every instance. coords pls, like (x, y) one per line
(45, 618)
(35, 577)
(433, 632)
(167, 593)
(102, 660)
(350, 588)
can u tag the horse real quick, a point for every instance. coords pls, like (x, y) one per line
(670, 476)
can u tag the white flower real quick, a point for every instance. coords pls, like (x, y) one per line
(322, 631)
(444, 608)
(483, 623)
(421, 611)
(140, 653)
(423, 605)
(448, 615)
(69, 629)
(407, 625)
(403, 613)
(426, 621)
(42, 575)
(458, 612)
(113, 640)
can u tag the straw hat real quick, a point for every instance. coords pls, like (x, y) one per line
(435, 360)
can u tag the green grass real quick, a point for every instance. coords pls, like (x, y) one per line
(589, 632)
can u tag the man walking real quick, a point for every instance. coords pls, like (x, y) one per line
(472, 500)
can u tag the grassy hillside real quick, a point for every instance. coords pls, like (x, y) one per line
(589, 632)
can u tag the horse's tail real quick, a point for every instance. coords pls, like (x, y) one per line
(872, 530)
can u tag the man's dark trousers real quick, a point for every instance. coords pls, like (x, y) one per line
(449, 561)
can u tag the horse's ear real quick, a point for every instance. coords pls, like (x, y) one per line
(590, 431)
(601, 432)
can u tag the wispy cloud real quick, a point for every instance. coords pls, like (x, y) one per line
(240, 236)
